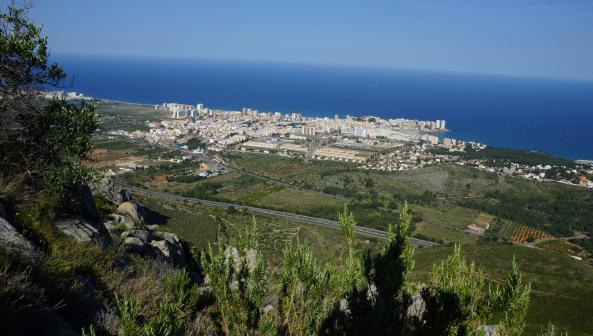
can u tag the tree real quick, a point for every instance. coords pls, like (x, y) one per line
(390, 275)
(237, 276)
(41, 142)
(456, 302)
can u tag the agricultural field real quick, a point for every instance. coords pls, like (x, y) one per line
(524, 234)
(126, 116)
(483, 220)
(565, 247)
(115, 152)
(442, 235)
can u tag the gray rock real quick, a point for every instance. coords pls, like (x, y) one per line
(110, 226)
(172, 253)
(131, 209)
(86, 206)
(82, 229)
(111, 191)
(3, 211)
(143, 235)
(124, 220)
(153, 227)
(135, 244)
(14, 243)
(168, 236)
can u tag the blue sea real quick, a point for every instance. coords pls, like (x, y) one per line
(554, 116)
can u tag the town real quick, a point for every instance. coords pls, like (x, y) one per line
(370, 142)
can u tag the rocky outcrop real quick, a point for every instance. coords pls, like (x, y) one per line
(3, 211)
(82, 229)
(85, 203)
(126, 221)
(163, 245)
(14, 243)
(133, 210)
(111, 191)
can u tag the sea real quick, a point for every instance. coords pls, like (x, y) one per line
(548, 115)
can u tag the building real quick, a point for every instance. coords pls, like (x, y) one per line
(360, 132)
(180, 114)
(308, 130)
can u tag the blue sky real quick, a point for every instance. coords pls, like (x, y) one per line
(549, 38)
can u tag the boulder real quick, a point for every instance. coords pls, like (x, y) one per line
(168, 236)
(172, 253)
(3, 212)
(110, 226)
(85, 203)
(82, 229)
(14, 243)
(125, 220)
(153, 228)
(131, 209)
(107, 188)
(135, 245)
(142, 234)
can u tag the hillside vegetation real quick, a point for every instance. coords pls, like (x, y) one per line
(80, 255)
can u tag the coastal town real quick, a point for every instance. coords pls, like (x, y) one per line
(369, 142)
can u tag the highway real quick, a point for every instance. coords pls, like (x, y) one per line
(296, 217)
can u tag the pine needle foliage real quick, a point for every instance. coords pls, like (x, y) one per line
(237, 278)
(176, 307)
(308, 292)
(457, 302)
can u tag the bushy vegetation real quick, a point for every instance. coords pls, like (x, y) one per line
(506, 155)
(103, 289)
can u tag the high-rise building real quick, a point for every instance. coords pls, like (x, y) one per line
(360, 132)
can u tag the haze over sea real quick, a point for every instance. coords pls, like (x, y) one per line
(555, 116)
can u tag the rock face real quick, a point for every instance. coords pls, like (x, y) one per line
(3, 211)
(14, 243)
(173, 253)
(111, 191)
(131, 209)
(86, 206)
(82, 229)
(125, 220)
(161, 244)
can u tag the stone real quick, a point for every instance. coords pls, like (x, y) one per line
(124, 220)
(82, 229)
(172, 253)
(131, 209)
(144, 235)
(110, 226)
(168, 236)
(3, 212)
(85, 203)
(14, 243)
(135, 244)
(152, 228)
(107, 188)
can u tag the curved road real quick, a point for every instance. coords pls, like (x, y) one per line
(301, 218)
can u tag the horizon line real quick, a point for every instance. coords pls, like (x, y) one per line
(327, 64)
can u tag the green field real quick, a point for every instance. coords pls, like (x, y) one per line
(127, 117)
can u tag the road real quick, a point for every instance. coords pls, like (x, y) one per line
(296, 217)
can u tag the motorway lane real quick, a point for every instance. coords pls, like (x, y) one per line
(301, 218)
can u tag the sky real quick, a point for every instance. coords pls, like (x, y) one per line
(543, 38)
